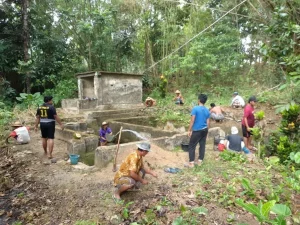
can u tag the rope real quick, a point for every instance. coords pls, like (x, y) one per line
(201, 32)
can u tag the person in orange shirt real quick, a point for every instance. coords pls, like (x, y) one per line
(20, 133)
(132, 171)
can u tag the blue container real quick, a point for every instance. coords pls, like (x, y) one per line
(74, 159)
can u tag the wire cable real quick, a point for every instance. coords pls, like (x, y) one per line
(201, 32)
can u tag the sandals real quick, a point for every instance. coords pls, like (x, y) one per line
(172, 170)
(116, 200)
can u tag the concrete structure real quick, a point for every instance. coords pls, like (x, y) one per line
(106, 90)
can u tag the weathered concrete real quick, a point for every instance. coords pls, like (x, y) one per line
(81, 126)
(69, 103)
(107, 90)
(105, 154)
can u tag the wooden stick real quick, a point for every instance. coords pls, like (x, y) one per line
(115, 160)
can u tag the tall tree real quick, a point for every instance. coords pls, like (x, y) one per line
(26, 40)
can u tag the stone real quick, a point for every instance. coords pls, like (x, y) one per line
(54, 160)
(169, 127)
(215, 131)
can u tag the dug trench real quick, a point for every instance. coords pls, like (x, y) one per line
(35, 191)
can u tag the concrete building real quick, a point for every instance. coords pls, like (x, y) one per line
(106, 90)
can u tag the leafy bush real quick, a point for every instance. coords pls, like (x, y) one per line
(5, 118)
(28, 100)
(259, 115)
(163, 86)
(64, 89)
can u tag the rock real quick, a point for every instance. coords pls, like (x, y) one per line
(215, 131)
(46, 163)
(169, 127)
(54, 160)
(48, 201)
(114, 219)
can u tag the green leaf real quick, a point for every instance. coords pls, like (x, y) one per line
(297, 174)
(178, 221)
(23, 95)
(281, 210)
(273, 160)
(297, 157)
(200, 210)
(251, 208)
(265, 210)
(280, 220)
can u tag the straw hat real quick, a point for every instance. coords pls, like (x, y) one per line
(177, 92)
(17, 124)
(104, 123)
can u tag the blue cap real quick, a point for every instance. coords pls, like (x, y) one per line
(144, 146)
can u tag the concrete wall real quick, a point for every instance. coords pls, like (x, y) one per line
(87, 104)
(69, 103)
(121, 89)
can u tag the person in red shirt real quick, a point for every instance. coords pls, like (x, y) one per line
(248, 121)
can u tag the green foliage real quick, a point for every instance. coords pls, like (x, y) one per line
(63, 90)
(260, 115)
(163, 86)
(125, 211)
(262, 211)
(256, 133)
(28, 100)
(227, 155)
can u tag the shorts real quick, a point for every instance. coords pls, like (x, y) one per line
(217, 116)
(246, 133)
(48, 130)
(130, 181)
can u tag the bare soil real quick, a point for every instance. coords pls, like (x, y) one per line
(35, 191)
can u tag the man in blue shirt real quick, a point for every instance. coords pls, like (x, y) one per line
(198, 130)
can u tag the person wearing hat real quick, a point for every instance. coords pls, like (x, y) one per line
(248, 121)
(178, 98)
(150, 102)
(237, 101)
(132, 171)
(20, 133)
(235, 142)
(104, 130)
(46, 116)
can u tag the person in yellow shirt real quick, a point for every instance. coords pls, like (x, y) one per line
(132, 171)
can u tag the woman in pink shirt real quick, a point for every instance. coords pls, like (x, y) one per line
(248, 121)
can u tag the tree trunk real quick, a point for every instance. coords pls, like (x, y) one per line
(25, 6)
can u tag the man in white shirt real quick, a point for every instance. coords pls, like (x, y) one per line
(237, 101)
(20, 133)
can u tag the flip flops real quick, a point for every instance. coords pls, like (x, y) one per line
(172, 170)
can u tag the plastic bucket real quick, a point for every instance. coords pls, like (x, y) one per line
(74, 159)
(185, 146)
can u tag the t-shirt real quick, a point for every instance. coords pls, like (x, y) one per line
(235, 141)
(238, 99)
(46, 113)
(133, 162)
(102, 133)
(249, 114)
(201, 114)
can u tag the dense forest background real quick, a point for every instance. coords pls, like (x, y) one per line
(44, 43)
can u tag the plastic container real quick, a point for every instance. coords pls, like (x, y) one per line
(74, 159)
(185, 146)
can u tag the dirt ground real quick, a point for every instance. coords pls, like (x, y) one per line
(36, 191)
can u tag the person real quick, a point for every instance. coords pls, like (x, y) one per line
(216, 112)
(20, 133)
(237, 101)
(46, 116)
(150, 102)
(198, 130)
(104, 130)
(178, 98)
(248, 121)
(235, 142)
(132, 171)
